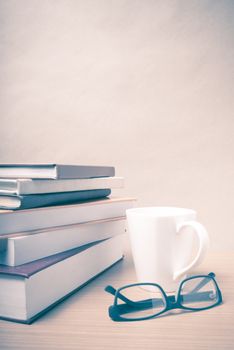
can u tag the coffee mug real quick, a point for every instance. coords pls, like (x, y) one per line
(162, 247)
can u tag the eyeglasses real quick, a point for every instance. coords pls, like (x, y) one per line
(142, 301)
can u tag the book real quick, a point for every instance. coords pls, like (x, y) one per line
(54, 171)
(29, 290)
(38, 244)
(47, 217)
(47, 199)
(30, 186)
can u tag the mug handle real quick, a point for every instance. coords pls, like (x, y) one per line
(203, 237)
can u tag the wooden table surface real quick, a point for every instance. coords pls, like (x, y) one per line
(82, 322)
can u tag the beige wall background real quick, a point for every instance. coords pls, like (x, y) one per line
(146, 86)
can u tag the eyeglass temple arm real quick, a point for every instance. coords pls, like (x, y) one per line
(112, 291)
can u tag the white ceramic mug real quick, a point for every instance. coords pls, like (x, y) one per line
(161, 247)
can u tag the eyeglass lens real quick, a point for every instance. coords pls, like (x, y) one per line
(143, 301)
(198, 293)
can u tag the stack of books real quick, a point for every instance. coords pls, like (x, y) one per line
(58, 230)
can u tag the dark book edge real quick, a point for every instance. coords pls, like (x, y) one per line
(30, 201)
(50, 307)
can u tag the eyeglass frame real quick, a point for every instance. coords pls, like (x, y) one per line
(171, 301)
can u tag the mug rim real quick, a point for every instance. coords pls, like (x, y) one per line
(161, 211)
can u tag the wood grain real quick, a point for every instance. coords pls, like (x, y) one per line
(82, 322)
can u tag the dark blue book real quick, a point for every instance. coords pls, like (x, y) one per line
(48, 199)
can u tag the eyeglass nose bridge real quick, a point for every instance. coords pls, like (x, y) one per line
(172, 302)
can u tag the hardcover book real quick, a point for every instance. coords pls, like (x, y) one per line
(40, 218)
(47, 199)
(29, 290)
(39, 244)
(54, 171)
(29, 186)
